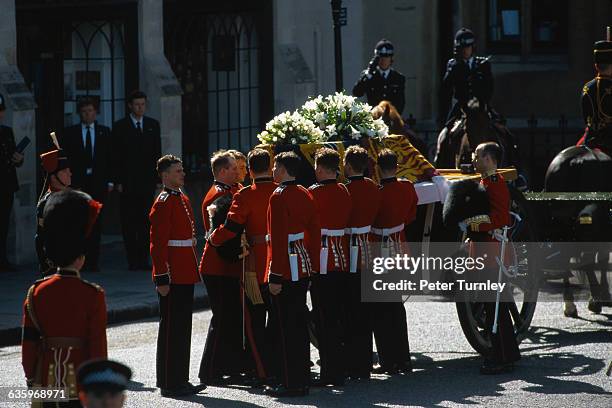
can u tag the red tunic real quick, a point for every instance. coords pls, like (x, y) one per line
(499, 215)
(173, 239)
(217, 190)
(334, 207)
(248, 210)
(65, 306)
(398, 208)
(292, 211)
(365, 198)
(212, 263)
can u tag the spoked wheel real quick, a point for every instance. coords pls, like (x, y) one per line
(524, 283)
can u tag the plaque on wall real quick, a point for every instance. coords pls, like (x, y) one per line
(224, 53)
(88, 80)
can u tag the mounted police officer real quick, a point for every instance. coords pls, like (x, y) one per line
(379, 81)
(597, 102)
(467, 77)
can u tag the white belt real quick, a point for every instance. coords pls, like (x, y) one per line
(357, 231)
(291, 237)
(182, 242)
(295, 237)
(332, 232)
(385, 232)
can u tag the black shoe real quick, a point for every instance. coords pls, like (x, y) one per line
(324, 382)
(182, 390)
(282, 391)
(404, 368)
(594, 306)
(384, 370)
(358, 376)
(491, 368)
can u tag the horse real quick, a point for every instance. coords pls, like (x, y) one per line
(389, 114)
(583, 169)
(457, 143)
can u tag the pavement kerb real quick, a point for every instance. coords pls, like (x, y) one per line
(12, 336)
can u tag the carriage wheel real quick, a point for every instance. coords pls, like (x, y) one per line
(524, 285)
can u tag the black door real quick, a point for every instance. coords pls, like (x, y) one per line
(222, 56)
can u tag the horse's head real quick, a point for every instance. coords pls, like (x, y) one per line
(389, 114)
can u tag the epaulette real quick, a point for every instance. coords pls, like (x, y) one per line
(280, 189)
(93, 285)
(315, 185)
(163, 196)
(37, 281)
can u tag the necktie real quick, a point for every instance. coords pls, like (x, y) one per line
(88, 146)
(138, 128)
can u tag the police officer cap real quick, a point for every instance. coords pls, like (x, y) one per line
(2, 103)
(103, 375)
(602, 52)
(384, 48)
(464, 38)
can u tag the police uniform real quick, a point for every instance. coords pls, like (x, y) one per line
(504, 346)
(174, 264)
(52, 162)
(329, 287)
(365, 198)
(465, 80)
(10, 185)
(223, 351)
(596, 103)
(379, 85)
(293, 248)
(397, 209)
(64, 316)
(102, 376)
(248, 213)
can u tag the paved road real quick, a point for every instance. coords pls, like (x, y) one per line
(563, 365)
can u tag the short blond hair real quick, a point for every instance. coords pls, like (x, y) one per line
(238, 155)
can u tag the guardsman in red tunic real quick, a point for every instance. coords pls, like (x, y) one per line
(248, 213)
(175, 271)
(293, 250)
(397, 209)
(64, 317)
(365, 198)
(505, 349)
(223, 353)
(56, 165)
(329, 287)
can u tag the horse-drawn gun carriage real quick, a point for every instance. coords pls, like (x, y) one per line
(432, 186)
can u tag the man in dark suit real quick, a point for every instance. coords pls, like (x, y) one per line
(138, 146)
(9, 160)
(88, 144)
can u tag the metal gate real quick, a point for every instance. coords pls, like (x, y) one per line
(223, 68)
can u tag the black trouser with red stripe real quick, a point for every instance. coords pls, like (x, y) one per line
(174, 337)
(359, 330)
(328, 294)
(223, 351)
(391, 334)
(288, 326)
